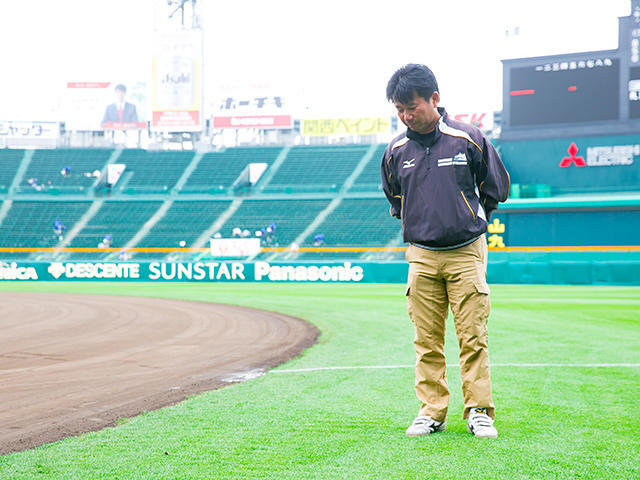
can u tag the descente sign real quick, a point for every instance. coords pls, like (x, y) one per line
(209, 271)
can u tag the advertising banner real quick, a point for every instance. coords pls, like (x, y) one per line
(253, 121)
(22, 134)
(346, 126)
(206, 271)
(610, 268)
(177, 81)
(92, 106)
(264, 111)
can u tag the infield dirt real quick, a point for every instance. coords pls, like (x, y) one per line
(71, 364)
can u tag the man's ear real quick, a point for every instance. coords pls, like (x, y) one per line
(435, 99)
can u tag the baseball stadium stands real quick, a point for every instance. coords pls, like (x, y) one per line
(120, 219)
(360, 222)
(369, 178)
(290, 218)
(47, 166)
(152, 172)
(330, 191)
(217, 171)
(31, 223)
(9, 161)
(316, 169)
(184, 221)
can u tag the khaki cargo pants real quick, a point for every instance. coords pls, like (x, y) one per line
(437, 279)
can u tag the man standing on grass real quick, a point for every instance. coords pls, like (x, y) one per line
(443, 179)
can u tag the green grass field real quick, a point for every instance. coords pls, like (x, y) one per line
(558, 422)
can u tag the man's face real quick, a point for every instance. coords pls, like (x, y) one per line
(119, 96)
(420, 114)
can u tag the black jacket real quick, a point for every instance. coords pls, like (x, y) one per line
(445, 192)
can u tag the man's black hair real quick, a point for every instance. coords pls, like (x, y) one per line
(121, 87)
(411, 77)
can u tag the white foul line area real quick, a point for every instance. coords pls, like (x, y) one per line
(454, 365)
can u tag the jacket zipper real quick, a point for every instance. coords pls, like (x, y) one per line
(469, 206)
(402, 212)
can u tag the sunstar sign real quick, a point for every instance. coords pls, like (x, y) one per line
(601, 156)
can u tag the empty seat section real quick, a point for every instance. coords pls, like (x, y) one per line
(358, 222)
(9, 161)
(290, 217)
(79, 164)
(217, 171)
(121, 220)
(31, 224)
(369, 178)
(152, 171)
(316, 168)
(184, 221)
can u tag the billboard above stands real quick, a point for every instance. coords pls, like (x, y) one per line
(29, 134)
(346, 126)
(177, 81)
(114, 105)
(253, 121)
(252, 111)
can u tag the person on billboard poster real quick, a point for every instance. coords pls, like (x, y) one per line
(120, 111)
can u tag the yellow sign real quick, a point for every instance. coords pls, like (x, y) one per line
(346, 126)
(496, 226)
(495, 240)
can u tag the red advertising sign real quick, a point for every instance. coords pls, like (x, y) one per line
(572, 158)
(124, 125)
(88, 84)
(253, 121)
(180, 120)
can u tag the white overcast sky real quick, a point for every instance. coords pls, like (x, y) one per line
(326, 58)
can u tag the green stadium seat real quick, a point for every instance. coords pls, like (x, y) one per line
(46, 166)
(217, 171)
(316, 169)
(9, 161)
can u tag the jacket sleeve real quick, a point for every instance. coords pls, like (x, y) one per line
(492, 177)
(390, 184)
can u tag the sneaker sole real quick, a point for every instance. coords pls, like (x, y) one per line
(481, 436)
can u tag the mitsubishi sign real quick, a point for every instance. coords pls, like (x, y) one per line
(601, 156)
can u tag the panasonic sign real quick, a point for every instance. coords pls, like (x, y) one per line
(312, 273)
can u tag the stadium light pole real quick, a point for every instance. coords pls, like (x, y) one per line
(180, 6)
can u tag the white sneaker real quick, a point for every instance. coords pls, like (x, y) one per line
(425, 426)
(481, 424)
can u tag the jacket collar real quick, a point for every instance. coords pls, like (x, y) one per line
(417, 137)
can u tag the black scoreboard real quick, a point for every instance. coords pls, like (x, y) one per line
(576, 93)
(565, 92)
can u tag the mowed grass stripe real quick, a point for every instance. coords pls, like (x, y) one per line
(554, 422)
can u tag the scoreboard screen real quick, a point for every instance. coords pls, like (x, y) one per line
(565, 92)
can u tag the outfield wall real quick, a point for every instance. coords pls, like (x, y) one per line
(575, 165)
(583, 268)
